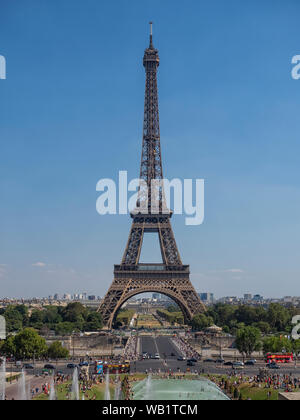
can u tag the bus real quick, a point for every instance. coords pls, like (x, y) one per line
(279, 357)
(103, 368)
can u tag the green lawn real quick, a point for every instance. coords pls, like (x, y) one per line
(62, 391)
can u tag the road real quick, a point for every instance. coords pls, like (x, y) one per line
(165, 347)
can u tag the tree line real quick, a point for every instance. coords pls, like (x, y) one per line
(270, 320)
(62, 319)
(28, 344)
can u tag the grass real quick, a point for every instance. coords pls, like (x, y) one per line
(62, 390)
(257, 394)
(147, 321)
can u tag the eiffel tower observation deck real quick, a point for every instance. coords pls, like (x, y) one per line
(169, 277)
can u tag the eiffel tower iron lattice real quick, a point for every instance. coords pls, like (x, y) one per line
(170, 277)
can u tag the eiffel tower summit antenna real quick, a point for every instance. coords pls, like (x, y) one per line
(170, 277)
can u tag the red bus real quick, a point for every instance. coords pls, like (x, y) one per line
(279, 357)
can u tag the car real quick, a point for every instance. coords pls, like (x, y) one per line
(228, 363)
(250, 363)
(221, 361)
(193, 359)
(237, 363)
(28, 366)
(71, 366)
(83, 364)
(49, 366)
(273, 366)
(145, 355)
(172, 354)
(237, 367)
(190, 363)
(180, 358)
(156, 356)
(209, 360)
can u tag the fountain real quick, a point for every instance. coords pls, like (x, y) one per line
(107, 391)
(75, 385)
(177, 389)
(148, 387)
(117, 387)
(52, 394)
(2, 379)
(22, 393)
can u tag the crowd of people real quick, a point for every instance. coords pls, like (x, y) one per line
(130, 352)
(278, 382)
(185, 348)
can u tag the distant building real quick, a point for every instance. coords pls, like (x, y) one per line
(207, 298)
(92, 297)
(247, 296)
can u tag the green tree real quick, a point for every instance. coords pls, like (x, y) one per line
(64, 328)
(248, 340)
(74, 312)
(29, 344)
(278, 317)
(13, 318)
(57, 351)
(277, 344)
(8, 346)
(201, 321)
(94, 321)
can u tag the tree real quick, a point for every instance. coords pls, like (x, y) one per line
(13, 318)
(74, 312)
(277, 344)
(94, 321)
(248, 340)
(57, 351)
(8, 346)
(278, 317)
(29, 344)
(201, 321)
(64, 328)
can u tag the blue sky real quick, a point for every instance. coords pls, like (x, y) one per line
(71, 112)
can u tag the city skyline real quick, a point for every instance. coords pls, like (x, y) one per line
(66, 111)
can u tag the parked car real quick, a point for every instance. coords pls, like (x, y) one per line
(190, 363)
(180, 358)
(156, 356)
(250, 363)
(193, 359)
(49, 366)
(71, 366)
(83, 364)
(221, 361)
(228, 363)
(28, 366)
(209, 360)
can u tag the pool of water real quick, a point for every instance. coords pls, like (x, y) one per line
(177, 389)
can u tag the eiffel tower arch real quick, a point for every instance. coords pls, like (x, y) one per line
(170, 277)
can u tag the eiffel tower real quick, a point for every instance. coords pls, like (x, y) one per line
(170, 277)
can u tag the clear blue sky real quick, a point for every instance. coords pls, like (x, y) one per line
(71, 112)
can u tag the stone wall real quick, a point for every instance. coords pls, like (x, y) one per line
(98, 344)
